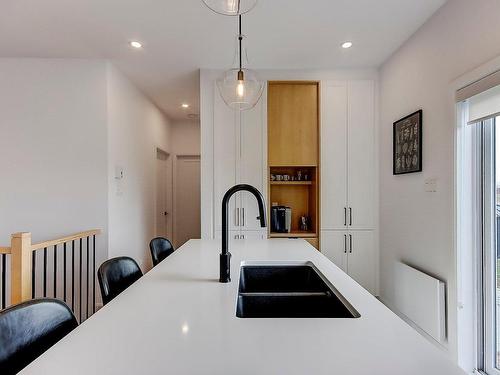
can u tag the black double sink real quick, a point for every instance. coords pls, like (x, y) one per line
(288, 291)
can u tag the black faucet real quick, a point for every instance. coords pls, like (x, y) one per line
(225, 256)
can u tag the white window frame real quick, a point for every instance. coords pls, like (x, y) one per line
(488, 266)
(478, 163)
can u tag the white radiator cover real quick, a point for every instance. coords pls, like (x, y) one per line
(422, 299)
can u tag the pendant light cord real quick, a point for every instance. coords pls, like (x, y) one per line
(240, 38)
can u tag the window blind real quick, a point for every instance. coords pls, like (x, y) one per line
(484, 105)
(482, 98)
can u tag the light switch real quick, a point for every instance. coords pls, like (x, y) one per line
(118, 172)
(431, 185)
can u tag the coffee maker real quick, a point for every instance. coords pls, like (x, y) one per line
(281, 219)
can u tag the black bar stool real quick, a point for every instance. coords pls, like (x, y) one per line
(160, 249)
(30, 328)
(115, 275)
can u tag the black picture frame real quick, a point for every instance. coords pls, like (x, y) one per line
(407, 144)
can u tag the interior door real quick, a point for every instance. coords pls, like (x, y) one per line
(361, 260)
(334, 247)
(164, 218)
(334, 156)
(361, 151)
(187, 199)
(226, 148)
(251, 163)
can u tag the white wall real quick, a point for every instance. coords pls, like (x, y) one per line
(185, 138)
(53, 143)
(415, 226)
(65, 124)
(136, 128)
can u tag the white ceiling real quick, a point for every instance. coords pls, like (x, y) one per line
(182, 36)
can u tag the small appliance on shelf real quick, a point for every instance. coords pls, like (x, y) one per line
(281, 219)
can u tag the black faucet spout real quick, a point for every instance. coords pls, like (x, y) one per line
(225, 256)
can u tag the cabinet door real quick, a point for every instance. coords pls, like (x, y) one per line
(334, 156)
(253, 234)
(334, 247)
(251, 166)
(361, 258)
(293, 124)
(225, 159)
(234, 235)
(361, 154)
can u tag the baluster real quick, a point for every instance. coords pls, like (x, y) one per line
(64, 271)
(93, 273)
(45, 272)
(33, 268)
(55, 271)
(80, 283)
(87, 290)
(73, 276)
(4, 259)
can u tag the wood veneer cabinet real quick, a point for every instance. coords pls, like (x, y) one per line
(293, 126)
(293, 150)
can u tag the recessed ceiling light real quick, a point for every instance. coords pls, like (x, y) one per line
(185, 105)
(346, 45)
(135, 44)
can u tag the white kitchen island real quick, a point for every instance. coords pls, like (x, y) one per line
(178, 319)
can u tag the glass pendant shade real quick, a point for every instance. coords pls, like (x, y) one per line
(240, 89)
(231, 7)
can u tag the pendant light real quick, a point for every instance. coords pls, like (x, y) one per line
(231, 7)
(239, 87)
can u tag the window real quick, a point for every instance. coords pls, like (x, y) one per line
(484, 166)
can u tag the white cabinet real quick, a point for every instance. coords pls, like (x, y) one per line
(243, 235)
(334, 156)
(348, 155)
(353, 252)
(348, 167)
(251, 169)
(334, 246)
(361, 262)
(225, 153)
(361, 154)
(238, 159)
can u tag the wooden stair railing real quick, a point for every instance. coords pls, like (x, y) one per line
(22, 253)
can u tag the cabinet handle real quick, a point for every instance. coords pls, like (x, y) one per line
(350, 243)
(345, 216)
(243, 214)
(237, 218)
(345, 243)
(350, 216)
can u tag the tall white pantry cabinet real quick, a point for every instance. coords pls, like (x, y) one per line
(348, 179)
(347, 173)
(239, 139)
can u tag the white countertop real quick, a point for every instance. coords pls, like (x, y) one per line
(178, 319)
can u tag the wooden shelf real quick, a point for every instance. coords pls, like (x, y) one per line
(291, 182)
(293, 234)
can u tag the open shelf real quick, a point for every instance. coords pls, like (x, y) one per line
(291, 182)
(298, 234)
(300, 196)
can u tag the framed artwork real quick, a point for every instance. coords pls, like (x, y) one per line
(407, 144)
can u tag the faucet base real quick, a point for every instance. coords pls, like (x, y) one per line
(225, 268)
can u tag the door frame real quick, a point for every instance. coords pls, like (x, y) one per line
(170, 188)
